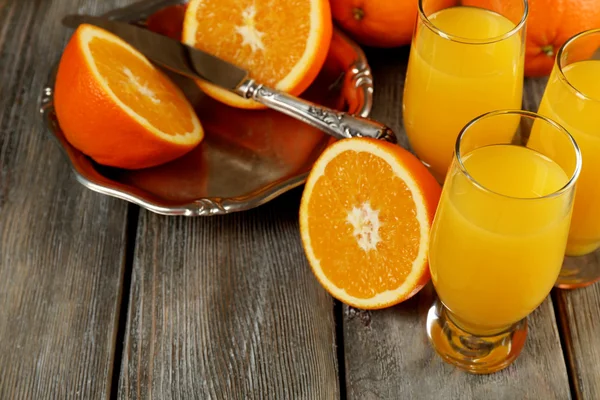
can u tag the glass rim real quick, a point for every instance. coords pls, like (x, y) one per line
(559, 67)
(464, 40)
(520, 113)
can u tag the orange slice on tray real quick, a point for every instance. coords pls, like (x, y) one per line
(118, 108)
(283, 44)
(365, 217)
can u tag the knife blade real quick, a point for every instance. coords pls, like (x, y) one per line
(169, 53)
(197, 64)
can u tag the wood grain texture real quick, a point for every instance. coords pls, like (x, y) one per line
(533, 90)
(387, 353)
(61, 246)
(388, 356)
(579, 313)
(227, 308)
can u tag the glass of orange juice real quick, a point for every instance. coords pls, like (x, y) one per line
(499, 236)
(464, 61)
(572, 98)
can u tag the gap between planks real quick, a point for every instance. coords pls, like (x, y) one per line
(338, 315)
(133, 213)
(562, 322)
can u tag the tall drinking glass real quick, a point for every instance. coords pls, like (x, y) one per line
(464, 61)
(572, 98)
(499, 236)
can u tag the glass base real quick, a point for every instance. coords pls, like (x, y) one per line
(474, 354)
(578, 272)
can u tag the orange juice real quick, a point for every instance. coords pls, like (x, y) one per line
(450, 82)
(580, 115)
(495, 253)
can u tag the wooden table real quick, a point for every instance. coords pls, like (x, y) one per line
(100, 299)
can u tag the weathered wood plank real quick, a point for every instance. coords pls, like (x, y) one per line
(387, 353)
(388, 356)
(579, 314)
(227, 308)
(61, 246)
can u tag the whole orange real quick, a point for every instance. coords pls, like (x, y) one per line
(549, 25)
(378, 23)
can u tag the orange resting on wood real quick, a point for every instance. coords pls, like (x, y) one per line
(282, 44)
(549, 25)
(115, 106)
(379, 23)
(365, 217)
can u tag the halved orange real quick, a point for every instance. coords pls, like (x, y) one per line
(365, 217)
(118, 108)
(282, 44)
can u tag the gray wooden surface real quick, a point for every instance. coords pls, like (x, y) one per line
(228, 308)
(579, 311)
(388, 356)
(222, 308)
(62, 248)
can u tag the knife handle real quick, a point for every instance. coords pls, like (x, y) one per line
(335, 123)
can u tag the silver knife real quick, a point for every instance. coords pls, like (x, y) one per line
(196, 64)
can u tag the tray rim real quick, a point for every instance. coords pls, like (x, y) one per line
(361, 78)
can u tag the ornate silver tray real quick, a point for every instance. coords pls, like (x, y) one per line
(247, 157)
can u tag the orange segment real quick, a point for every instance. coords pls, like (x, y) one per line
(365, 217)
(116, 107)
(141, 87)
(282, 44)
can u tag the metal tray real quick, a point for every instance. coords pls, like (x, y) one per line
(247, 157)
